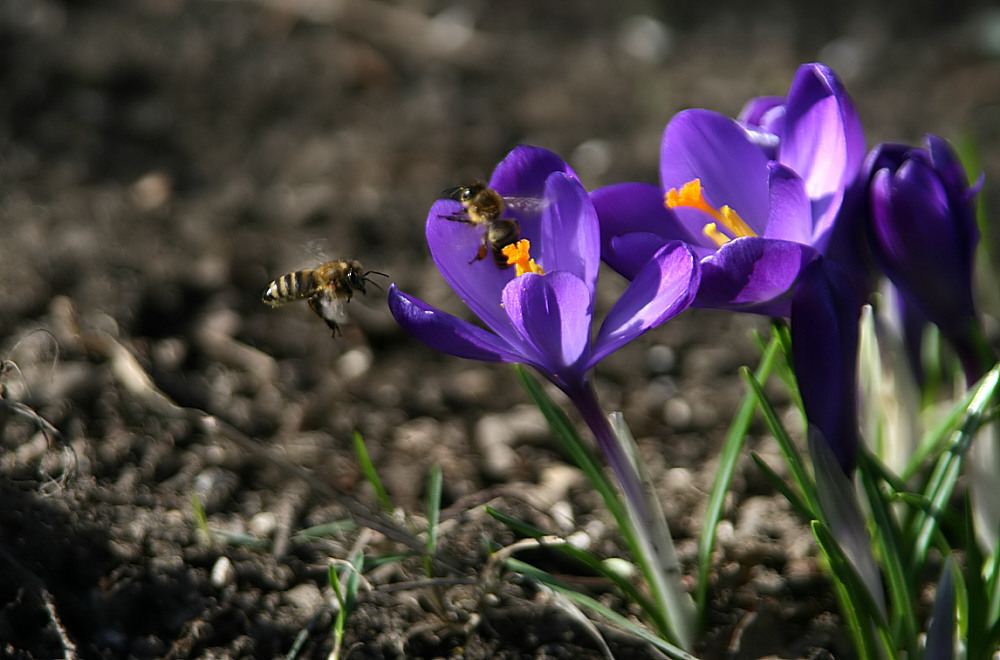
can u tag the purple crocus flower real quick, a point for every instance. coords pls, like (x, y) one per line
(756, 199)
(923, 234)
(543, 316)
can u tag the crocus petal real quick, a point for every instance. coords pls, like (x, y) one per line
(664, 287)
(638, 209)
(522, 173)
(823, 140)
(752, 274)
(961, 195)
(824, 331)
(764, 112)
(447, 333)
(917, 245)
(629, 253)
(552, 312)
(570, 238)
(763, 119)
(700, 144)
(790, 213)
(453, 246)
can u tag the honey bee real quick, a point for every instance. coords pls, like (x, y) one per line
(485, 207)
(326, 288)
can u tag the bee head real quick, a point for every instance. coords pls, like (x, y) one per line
(464, 194)
(356, 277)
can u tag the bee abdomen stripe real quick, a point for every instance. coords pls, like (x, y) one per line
(303, 282)
(294, 285)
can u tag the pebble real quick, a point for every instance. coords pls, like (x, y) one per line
(223, 573)
(677, 413)
(678, 479)
(496, 435)
(353, 363)
(263, 524)
(646, 39)
(661, 359)
(214, 487)
(306, 598)
(591, 158)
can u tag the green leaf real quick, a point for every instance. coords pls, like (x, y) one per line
(433, 517)
(948, 469)
(586, 601)
(731, 450)
(779, 485)
(365, 461)
(325, 530)
(840, 512)
(888, 538)
(520, 526)
(791, 455)
(855, 599)
(940, 643)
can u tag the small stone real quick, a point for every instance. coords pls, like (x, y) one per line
(592, 158)
(152, 191)
(263, 524)
(223, 573)
(677, 413)
(496, 435)
(661, 359)
(353, 363)
(646, 39)
(306, 598)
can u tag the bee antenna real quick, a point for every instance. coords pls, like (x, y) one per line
(373, 272)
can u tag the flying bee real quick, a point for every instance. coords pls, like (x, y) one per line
(326, 288)
(485, 207)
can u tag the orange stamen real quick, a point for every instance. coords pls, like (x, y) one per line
(518, 256)
(692, 196)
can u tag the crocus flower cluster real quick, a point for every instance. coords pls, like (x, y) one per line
(775, 212)
(749, 215)
(758, 199)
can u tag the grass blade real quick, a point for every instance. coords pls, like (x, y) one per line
(842, 514)
(941, 630)
(365, 461)
(948, 468)
(586, 601)
(854, 598)
(795, 463)
(731, 450)
(433, 517)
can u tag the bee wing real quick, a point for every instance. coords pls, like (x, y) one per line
(318, 250)
(525, 204)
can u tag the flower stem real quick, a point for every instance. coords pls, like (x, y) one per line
(650, 536)
(585, 400)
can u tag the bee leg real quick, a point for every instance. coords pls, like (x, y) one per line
(315, 307)
(456, 217)
(480, 254)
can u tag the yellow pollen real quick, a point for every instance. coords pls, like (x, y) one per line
(517, 256)
(692, 196)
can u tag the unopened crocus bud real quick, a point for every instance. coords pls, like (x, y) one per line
(923, 234)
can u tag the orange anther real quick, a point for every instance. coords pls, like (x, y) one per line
(518, 256)
(692, 196)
